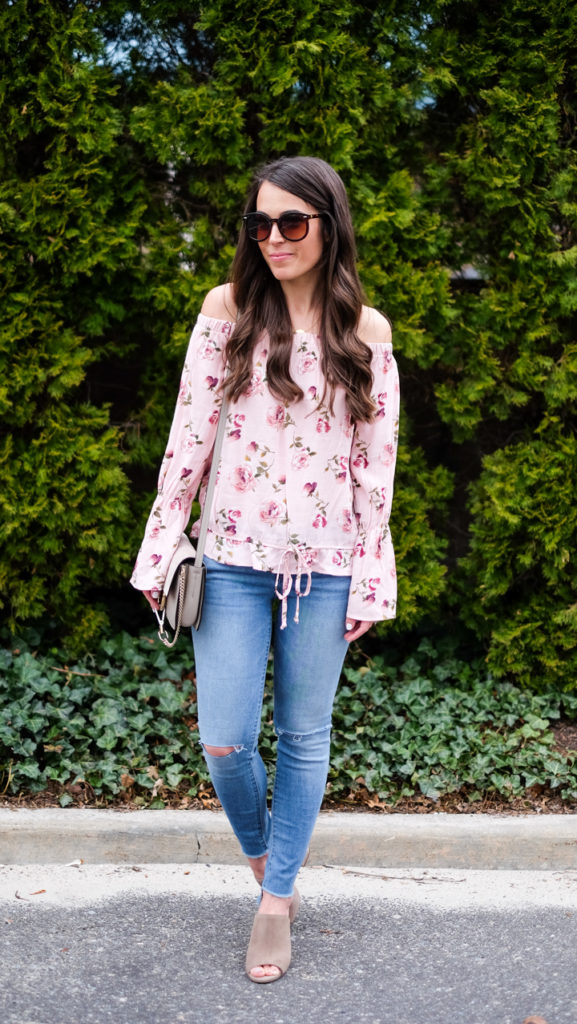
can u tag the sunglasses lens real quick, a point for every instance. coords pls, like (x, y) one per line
(258, 227)
(293, 226)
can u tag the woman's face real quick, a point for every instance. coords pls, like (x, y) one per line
(289, 261)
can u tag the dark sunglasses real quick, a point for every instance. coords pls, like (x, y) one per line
(293, 226)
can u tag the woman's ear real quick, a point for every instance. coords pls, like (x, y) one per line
(327, 227)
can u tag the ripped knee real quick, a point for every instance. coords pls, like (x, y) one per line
(218, 751)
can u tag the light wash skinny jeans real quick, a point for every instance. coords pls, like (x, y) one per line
(231, 652)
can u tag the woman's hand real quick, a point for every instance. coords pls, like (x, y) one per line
(149, 595)
(355, 629)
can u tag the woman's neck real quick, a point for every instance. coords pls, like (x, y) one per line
(303, 306)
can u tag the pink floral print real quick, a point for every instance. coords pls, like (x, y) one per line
(300, 460)
(275, 416)
(338, 466)
(346, 521)
(242, 479)
(300, 488)
(270, 512)
(236, 421)
(307, 362)
(388, 455)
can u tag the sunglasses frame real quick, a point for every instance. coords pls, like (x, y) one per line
(306, 217)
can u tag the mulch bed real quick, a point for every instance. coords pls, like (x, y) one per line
(453, 804)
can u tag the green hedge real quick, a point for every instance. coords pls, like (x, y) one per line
(128, 135)
(523, 537)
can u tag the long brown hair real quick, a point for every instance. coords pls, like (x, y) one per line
(262, 307)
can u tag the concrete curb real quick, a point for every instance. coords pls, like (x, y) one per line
(474, 841)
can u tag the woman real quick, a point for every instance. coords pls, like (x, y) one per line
(300, 513)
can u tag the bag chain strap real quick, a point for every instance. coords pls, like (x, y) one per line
(162, 634)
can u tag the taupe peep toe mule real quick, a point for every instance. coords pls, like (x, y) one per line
(270, 942)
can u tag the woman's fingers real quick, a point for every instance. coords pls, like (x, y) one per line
(355, 629)
(151, 600)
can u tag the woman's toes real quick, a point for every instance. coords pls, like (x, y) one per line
(265, 971)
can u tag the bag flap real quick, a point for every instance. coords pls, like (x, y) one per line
(184, 552)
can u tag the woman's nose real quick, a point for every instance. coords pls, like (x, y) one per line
(275, 235)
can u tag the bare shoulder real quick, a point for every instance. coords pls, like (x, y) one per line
(374, 328)
(219, 303)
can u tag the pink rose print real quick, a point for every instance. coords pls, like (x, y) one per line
(361, 461)
(310, 488)
(169, 455)
(237, 422)
(359, 550)
(214, 416)
(319, 521)
(270, 512)
(190, 443)
(155, 559)
(252, 447)
(374, 583)
(275, 417)
(323, 426)
(211, 382)
(300, 460)
(339, 465)
(312, 393)
(154, 532)
(387, 455)
(176, 503)
(369, 598)
(381, 402)
(346, 521)
(307, 362)
(233, 514)
(256, 385)
(338, 558)
(207, 350)
(282, 479)
(184, 473)
(242, 479)
(181, 393)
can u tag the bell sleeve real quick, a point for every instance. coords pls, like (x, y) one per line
(188, 452)
(373, 592)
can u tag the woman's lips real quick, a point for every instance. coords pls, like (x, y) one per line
(279, 256)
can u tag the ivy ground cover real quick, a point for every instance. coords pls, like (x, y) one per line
(119, 724)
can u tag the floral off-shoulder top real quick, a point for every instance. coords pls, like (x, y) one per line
(299, 489)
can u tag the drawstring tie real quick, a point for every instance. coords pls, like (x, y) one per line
(284, 570)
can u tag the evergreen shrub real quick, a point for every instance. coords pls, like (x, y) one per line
(523, 542)
(128, 135)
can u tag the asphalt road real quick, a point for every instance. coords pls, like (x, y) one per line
(162, 944)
